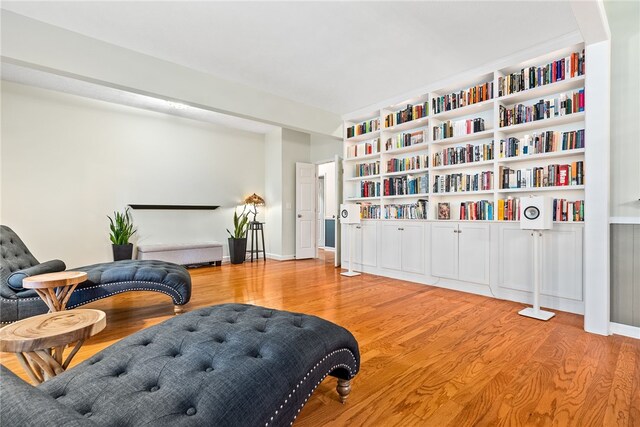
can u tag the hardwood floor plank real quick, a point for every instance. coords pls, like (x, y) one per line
(430, 356)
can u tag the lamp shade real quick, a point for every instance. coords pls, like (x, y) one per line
(254, 199)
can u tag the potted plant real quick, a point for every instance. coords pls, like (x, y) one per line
(238, 239)
(122, 229)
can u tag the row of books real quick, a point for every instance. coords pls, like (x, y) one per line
(420, 161)
(364, 148)
(550, 176)
(411, 112)
(566, 211)
(398, 186)
(450, 128)
(366, 169)
(544, 142)
(563, 210)
(364, 127)
(369, 189)
(531, 77)
(565, 104)
(370, 211)
(481, 210)
(459, 182)
(463, 154)
(416, 210)
(472, 95)
(405, 139)
(508, 209)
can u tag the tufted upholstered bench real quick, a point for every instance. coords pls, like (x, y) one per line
(103, 280)
(226, 365)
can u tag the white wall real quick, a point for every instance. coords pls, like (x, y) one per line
(273, 192)
(324, 148)
(67, 162)
(624, 22)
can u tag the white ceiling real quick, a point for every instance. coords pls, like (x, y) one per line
(339, 56)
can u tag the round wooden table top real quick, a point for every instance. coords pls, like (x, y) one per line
(51, 330)
(54, 280)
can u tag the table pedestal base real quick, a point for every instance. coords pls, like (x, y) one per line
(42, 365)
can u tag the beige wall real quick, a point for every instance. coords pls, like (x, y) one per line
(67, 162)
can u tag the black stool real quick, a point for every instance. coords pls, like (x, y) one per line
(256, 228)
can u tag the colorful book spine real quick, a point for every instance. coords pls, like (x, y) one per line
(450, 128)
(556, 175)
(568, 211)
(407, 164)
(370, 189)
(565, 104)
(532, 77)
(472, 95)
(539, 143)
(366, 169)
(405, 139)
(416, 210)
(481, 210)
(409, 113)
(362, 128)
(463, 154)
(406, 185)
(460, 182)
(364, 148)
(370, 211)
(508, 209)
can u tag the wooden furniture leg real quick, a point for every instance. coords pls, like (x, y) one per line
(343, 388)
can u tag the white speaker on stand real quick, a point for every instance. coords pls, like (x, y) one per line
(536, 215)
(350, 216)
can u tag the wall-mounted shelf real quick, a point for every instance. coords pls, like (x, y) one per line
(176, 207)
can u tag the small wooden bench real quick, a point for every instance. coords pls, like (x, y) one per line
(183, 253)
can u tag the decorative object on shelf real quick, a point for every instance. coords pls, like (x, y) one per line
(238, 239)
(536, 216)
(444, 210)
(121, 227)
(350, 215)
(256, 201)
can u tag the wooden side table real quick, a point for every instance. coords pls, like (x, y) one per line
(55, 288)
(39, 341)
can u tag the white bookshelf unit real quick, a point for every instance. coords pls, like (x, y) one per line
(483, 253)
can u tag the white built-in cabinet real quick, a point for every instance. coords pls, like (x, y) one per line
(402, 246)
(461, 251)
(365, 237)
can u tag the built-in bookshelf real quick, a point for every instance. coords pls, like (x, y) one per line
(476, 146)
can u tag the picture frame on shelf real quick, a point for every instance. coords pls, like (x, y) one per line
(444, 211)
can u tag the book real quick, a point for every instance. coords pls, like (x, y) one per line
(565, 104)
(362, 128)
(409, 113)
(451, 129)
(416, 210)
(444, 211)
(463, 154)
(462, 98)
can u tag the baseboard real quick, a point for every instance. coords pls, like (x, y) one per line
(328, 249)
(281, 257)
(625, 330)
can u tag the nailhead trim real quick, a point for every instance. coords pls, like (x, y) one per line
(339, 365)
(173, 297)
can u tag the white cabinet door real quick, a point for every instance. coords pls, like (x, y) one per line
(473, 252)
(516, 258)
(369, 251)
(413, 248)
(391, 250)
(444, 250)
(562, 262)
(357, 245)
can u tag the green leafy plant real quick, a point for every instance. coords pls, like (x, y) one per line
(121, 227)
(240, 224)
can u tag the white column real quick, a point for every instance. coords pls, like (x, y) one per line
(596, 230)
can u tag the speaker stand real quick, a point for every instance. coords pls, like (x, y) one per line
(535, 312)
(350, 273)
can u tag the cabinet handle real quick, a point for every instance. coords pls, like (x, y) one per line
(400, 229)
(460, 231)
(358, 227)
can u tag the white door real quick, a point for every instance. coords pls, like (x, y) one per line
(444, 250)
(413, 248)
(338, 195)
(473, 253)
(369, 243)
(305, 210)
(391, 241)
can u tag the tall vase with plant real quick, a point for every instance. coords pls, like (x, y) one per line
(238, 239)
(121, 227)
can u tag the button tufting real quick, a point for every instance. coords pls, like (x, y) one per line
(88, 414)
(154, 388)
(177, 355)
(191, 411)
(122, 374)
(209, 369)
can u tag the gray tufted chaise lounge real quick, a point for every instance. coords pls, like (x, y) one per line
(226, 365)
(104, 279)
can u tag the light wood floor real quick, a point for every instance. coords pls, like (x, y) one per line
(430, 356)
